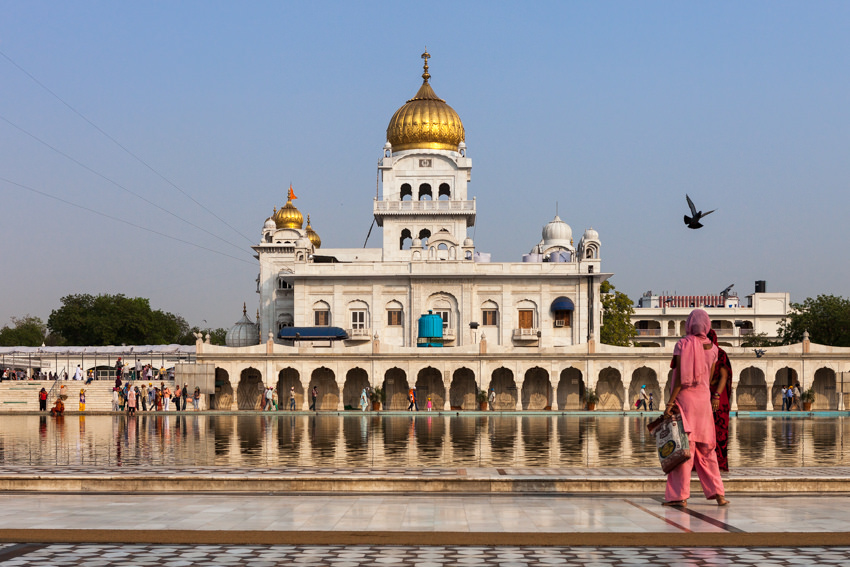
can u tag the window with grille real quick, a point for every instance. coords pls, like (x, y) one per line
(489, 317)
(444, 314)
(322, 318)
(394, 317)
(562, 318)
(358, 319)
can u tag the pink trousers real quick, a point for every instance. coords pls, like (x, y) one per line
(704, 459)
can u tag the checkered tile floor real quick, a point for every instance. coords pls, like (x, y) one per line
(421, 556)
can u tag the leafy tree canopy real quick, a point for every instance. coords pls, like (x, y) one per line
(617, 310)
(827, 319)
(100, 320)
(25, 331)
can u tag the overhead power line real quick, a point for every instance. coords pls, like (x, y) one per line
(120, 145)
(112, 181)
(120, 220)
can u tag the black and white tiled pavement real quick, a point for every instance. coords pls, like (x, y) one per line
(106, 555)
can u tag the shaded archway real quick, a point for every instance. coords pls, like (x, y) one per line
(826, 396)
(356, 380)
(286, 379)
(751, 393)
(644, 376)
(784, 377)
(502, 381)
(463, 390)
(571, 390)
(429, 382)
(249, 392)
(324, 379)
(536, 390)
(395, 388)
(609, 388)
(223, 390)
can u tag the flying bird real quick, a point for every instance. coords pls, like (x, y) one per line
(693, 221)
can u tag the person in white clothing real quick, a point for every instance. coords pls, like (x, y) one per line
(78, 373)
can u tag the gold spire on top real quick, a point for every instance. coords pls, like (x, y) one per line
(312, 235)
(289, 216)
(425, 121)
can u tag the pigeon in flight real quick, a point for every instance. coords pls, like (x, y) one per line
(693, 221)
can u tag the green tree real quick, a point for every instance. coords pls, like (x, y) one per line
(99, 320)
(759, 340)
(25, 331)
(827, 319)
(617, 310)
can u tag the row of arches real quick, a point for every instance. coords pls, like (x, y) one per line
(425, 192)
(457, 389)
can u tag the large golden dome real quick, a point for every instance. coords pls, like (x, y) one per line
(313, 235)
(425, 121)
(289, 216)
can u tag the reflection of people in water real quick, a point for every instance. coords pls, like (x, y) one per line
(58, 408)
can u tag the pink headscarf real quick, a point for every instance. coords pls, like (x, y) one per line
(692, 368)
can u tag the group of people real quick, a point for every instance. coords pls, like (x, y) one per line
(791, 397)
(269, 400)
(645, 399)
(129, 397)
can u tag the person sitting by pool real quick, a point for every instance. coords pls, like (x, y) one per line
(58, 408)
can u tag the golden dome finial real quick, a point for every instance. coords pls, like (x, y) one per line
(244, 309)
(425, 76)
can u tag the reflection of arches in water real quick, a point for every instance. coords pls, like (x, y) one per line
(536, 437)
(223, 390)
(249, 430)
(222, 429)
(323, 378)
(609, 439)
(826, 395)
(429, 382)
(572, 436)
(430, 431)
(502, 431)
(463, 435)
(286, 379)
(571, 390)
(610, 389)
(356, 380)
(249, 392)
(395, 388)
(751, 393)
(289, 433)
(355, 433)
(324, 433)
(536, 390)
(784, 377)
(463, 390)
(749, 439)
(395, 432)
(644, 376)
(502, 381)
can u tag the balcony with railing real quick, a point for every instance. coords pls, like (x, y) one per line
(424, 206)
(526, 334)
(359, 334)
(648, 332)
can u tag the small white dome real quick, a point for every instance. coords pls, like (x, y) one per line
(591, 234)
(461, 146)
(243, 333)
(416, 243)
(557, 233)
(467, 242)
(388, 146)
(270, 224)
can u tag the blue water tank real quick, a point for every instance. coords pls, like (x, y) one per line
(430, 330)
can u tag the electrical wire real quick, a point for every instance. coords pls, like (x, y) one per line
(117, 143)
(112, 181)
(120, 220)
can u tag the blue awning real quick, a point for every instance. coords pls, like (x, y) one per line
(563, 304)
(312, 334)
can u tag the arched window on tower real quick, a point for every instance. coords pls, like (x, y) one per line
(406, 192)
(424, 235)
(404, 241)
(425, 192)
(445, 192)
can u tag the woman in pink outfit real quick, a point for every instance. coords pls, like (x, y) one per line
(693, 365)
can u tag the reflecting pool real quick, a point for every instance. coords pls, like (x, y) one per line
(420, 441)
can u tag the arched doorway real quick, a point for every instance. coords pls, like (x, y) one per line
(571, 390)
(286, 379)
(826, 396)
(249, 393)
(644, 376)
(784, 377)
(609, 388)
(462, 393)
(429, 382)
(502, 381)
(751, 393)
(536, 390)
(395, 388)
(356, 380)
(223, 390)
(324, 379)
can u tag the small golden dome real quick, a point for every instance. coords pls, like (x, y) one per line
(289, 216)
(425, 121)
(312, 235)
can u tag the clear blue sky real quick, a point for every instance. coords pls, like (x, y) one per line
(614, 110)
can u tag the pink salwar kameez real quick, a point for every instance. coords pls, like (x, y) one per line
(694, 403)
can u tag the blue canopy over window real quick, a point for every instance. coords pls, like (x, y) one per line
(563, 304)
(312, 334)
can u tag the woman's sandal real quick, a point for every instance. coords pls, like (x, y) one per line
(676, 503)
(721, 500)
